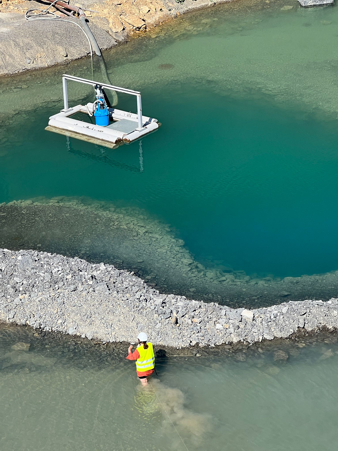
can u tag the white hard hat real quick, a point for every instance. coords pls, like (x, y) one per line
(142, 336)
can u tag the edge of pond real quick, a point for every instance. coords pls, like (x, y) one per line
(25, 338)
(58, 294)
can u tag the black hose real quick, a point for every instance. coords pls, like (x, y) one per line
(109, 105)
(104, 73)
(90, 35)
(103, 67)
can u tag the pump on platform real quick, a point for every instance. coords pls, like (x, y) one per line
(109, 127)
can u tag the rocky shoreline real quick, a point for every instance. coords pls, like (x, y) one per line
(97, 301)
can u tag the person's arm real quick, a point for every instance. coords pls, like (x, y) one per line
(133, 355)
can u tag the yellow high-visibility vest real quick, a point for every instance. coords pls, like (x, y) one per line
(146, 361)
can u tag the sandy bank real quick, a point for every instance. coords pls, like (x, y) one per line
(36, 44)
(56, 293)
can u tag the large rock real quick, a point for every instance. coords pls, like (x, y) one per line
(134, 21)
(115, 24)
(144, 10)
(247, 315)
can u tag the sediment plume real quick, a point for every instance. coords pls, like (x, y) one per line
(184, 426)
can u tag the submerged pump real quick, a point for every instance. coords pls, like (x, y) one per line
(100, 107)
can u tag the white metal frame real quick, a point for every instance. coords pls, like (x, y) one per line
(66, 77)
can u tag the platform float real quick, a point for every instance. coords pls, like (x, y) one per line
(102, 124)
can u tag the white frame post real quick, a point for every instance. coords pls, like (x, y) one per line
(65, 93)
(139, 112)
(66, 77)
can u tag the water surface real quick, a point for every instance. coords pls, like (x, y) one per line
(79, 396)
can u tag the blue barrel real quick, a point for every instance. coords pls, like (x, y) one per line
(101, 116)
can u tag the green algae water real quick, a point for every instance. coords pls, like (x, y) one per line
(74, 395)
(240, 180)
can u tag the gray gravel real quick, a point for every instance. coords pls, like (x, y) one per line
(98, 301)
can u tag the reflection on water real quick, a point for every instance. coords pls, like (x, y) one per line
(101, 154)
(60, 393)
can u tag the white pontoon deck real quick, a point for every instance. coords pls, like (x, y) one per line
(124, 127)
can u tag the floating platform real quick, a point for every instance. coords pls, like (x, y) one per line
(310, 3)
(124, 127)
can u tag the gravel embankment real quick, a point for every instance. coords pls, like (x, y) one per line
(98, 301)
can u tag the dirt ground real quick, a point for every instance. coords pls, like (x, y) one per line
(36, 44)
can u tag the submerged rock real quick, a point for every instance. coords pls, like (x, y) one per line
(280, 356)
(327, 354)
(273, 370)
(240, 357)
(166, 66)
(20, 346)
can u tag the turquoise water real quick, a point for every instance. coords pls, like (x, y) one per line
(262, 201)
(63, 394)
(243, 169)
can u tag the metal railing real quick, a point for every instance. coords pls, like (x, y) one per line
(105, 86)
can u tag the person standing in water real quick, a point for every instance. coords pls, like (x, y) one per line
(145, 358)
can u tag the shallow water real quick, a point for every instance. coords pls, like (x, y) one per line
(244, 167)
(65, 394)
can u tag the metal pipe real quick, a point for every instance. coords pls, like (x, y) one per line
(104, 85)
(139, 112)
(76, 9)
(62, 10)
(65, 93)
